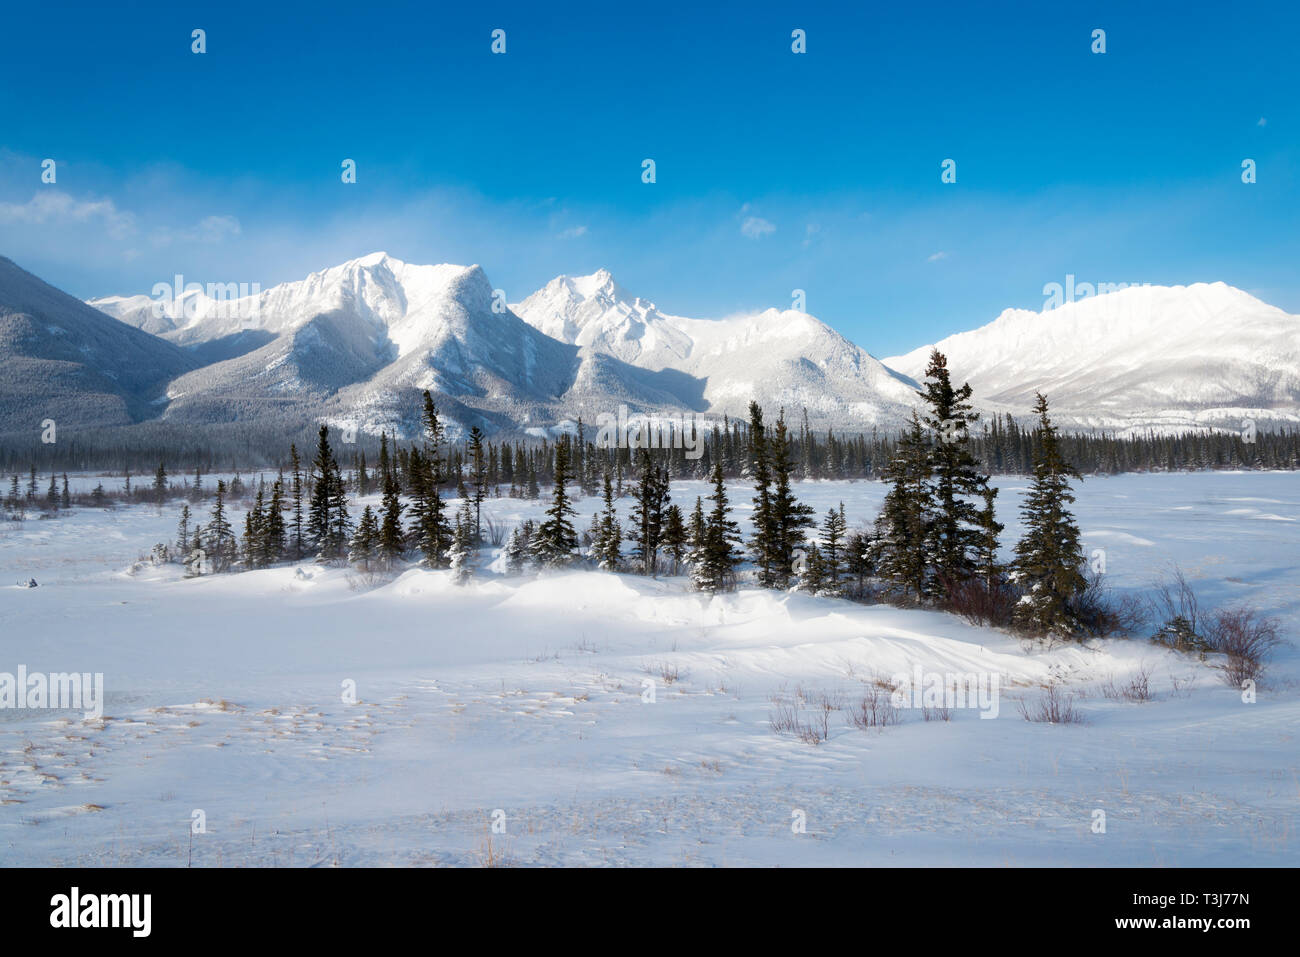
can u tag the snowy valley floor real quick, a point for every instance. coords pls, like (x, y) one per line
(525, 696)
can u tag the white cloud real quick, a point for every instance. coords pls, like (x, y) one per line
(50, 207)
(756, 226)
(573, 232)
(1262, 122)
(935, 257)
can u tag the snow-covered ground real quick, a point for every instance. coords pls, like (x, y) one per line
(524, 701)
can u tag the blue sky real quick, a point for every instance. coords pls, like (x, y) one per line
(775, 171)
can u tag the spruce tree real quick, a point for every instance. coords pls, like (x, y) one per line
(812, 576)
(607, 551)
(674, 537)
(986, 549)
(697, 536)
(390, 532)
(899, 549)
(220, 542)
(1049, 558)
(556, 539)
(720, 555)
(183, 531)
(160, 484)
(955, 478)
(254, 532)
(478, 479)
(789, 517)
(764, 543)
(365, 540)
(65, 496)
(273, 531)
(296, 525)
(831, 553)
(320, 527)
(461, 552)
(517, 549)
(650, 496)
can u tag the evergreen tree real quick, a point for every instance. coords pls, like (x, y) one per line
(297, 526)
(955, 479)
(518, 548)
(650, 497)
(986, 549)
(183, 532)
(65, 496)
(99, 497)
(390, 532)
(789, 517)
(697, 536)
(899, 549)
(857, 559)
(365, 540)
(273, 532)
(719, 556)
(812, 576)
(160, 484)
(478, 479)
(433, 537)
(556, 539)
(462, 546)
(831, 552)
(605, 549)
(674, 537)
(322, 527)
(254, 532)
(764, 545)
(220, 542)
(1049, 557)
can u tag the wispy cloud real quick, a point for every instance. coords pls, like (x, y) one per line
(49, 207)
(573, 232)
(935, 257)
(755, 227)
(210, 229)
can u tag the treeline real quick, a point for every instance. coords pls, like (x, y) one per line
(1002, 443)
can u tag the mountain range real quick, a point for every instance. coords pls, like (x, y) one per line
(357, 343)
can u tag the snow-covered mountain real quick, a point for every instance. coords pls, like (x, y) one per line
(1163, 357)
(779, 358)
(357, 343)
(61, 360)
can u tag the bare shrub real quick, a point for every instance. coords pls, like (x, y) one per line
(495, 530)
(1182, 687)
(786, 717)
(1246, 638)
(1139, 687)
(874, 710)
(1052, 707)
(979, 602)
(1102, 614)
(1174, 604)
(942, 713)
